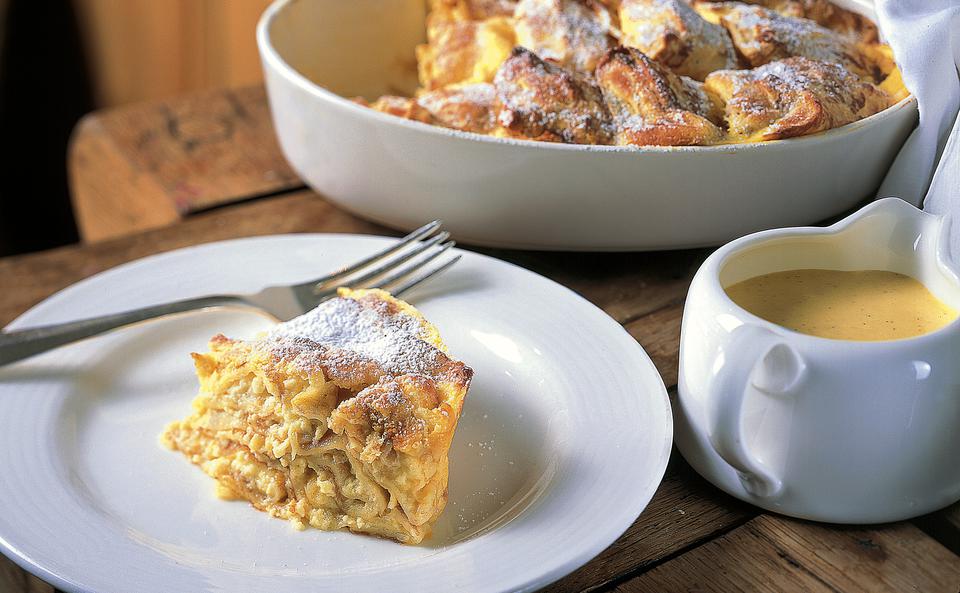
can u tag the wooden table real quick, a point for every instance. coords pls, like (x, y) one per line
(159, 176)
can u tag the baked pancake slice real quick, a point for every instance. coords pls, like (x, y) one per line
(403, 107)
(339, 419)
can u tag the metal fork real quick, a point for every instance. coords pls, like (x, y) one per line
(398, 268)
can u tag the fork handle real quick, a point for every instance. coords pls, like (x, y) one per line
(17, 345)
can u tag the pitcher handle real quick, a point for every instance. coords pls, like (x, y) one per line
(757, 357)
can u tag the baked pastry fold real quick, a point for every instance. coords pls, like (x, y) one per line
(465, 107)
(793, 97)
(404, 107)
(572, 33)
(542, 101)
(650, 105)
(341, 418)
(824, 13)
(672, 33)
(632, 72)
(762, 35)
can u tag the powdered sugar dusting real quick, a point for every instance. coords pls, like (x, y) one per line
(571, 32)
(764, 35)
(539, 96)
(349, 335)
(829, 81)
(470, 107)
(481, 93)
(651, 20)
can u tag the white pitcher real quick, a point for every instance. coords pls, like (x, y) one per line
(829, 430)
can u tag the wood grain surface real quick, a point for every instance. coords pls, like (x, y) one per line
(772, 553)
(146, 165)
(15, 580)
(691, 537)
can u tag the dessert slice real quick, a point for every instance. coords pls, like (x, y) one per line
(340, 418)
(403, 107)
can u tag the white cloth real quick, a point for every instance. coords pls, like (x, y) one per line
(944, 195)
(925, 37)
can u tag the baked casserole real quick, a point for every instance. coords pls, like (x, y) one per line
(647, 72)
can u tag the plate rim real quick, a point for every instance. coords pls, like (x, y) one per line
(584, 554)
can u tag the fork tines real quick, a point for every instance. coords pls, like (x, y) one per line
(399, 267)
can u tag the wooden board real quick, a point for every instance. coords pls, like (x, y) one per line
(15, 580)
(39, 275)
(773, 553)
(944, 526)
(143, 49)
(147, 165)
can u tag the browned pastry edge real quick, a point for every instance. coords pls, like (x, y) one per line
(650, 105)
(794, 97)
(542, 101)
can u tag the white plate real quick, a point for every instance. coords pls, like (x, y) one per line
(564, 437)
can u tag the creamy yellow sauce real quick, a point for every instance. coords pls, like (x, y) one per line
(860, 305)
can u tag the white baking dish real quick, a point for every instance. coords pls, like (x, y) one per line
(508, 193)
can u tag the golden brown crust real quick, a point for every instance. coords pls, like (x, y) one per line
(542, 101)
(467, 107)
(651, 105)
(356, 339)
(471, 108)
(762, 35)
(672, 33)
(837, 18)
(573, 33)
(548, 87)
(824, 13)
(793, 97)
(404, 107)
